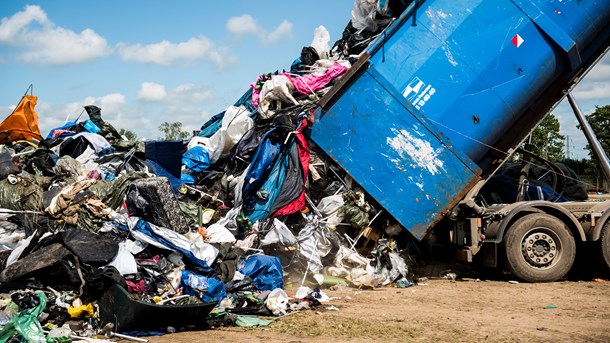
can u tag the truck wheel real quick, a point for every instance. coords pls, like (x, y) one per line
(539, 248)
(604, 247)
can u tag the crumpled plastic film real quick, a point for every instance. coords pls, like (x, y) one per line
(26, 323)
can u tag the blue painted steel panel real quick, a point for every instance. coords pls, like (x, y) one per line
(442, 86)
(396, 157)
(474, 81)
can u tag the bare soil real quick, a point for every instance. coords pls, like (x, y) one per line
(439, 310)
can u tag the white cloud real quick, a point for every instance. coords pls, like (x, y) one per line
(601, 71)
(111, 103)
(246, 25)
(243, 25)
(282, 32)
(12, 29)
(191, 117)
(51, 115)
(166, 53)
(190, 93)
(45, 43)
(182, 104)
(593, 91)
(150, 91)
(115, 110)
(187, 93)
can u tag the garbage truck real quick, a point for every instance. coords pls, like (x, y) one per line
(442, 98)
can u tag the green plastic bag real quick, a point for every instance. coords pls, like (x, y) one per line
(26, 324)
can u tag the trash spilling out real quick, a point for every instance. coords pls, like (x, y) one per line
(242, 224)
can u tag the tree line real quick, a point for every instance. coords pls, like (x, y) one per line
(547, 142)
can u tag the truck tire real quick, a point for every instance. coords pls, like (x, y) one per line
(539, 248)
(604, 247)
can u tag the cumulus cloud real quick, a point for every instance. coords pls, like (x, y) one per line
(282, 32)
(52, 115)
(601, 71)
(190, 93)
(593, 91)
(150, 91)
(113, 102)
(243, 25)
(41, 41)
(166, 53)
(185, 93)
(246, 25)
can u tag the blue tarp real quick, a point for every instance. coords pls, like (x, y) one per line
(66, 126)
(145, 227)
(265, 271)
(206, 288)
(196, 159)
(261, 165)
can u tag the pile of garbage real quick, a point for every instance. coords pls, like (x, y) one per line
(99, 234)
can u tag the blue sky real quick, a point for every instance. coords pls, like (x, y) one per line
(147, 62)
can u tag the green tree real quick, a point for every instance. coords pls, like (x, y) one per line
(547, 142)
(173, 131)
(600, 123)
(130, 135)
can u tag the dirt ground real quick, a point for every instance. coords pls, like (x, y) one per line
(440, 310)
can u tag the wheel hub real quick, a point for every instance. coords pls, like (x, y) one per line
(539, 249)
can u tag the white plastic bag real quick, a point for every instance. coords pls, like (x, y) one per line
(321, 40)
(362, 14)
(235, 123)
(329, 207)
(124, 261)
(278, 89)
(277, 302)
(219, 234)
(279, 234)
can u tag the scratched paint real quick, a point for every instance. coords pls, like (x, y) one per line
(449, 55)
(417, 150)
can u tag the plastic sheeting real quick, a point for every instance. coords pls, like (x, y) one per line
(298, 201)
(329, 208)
(124, 261)
(276, 91)
(90, 247)
(320, 42)
(235, 123)
(199, 253)
(314, 245)
(97, 142)
(265, 271)
(262, 163)
(196, 159)
(219, 234)
(207, 289)
(26, 323)
(279, 234)
(367, 14)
